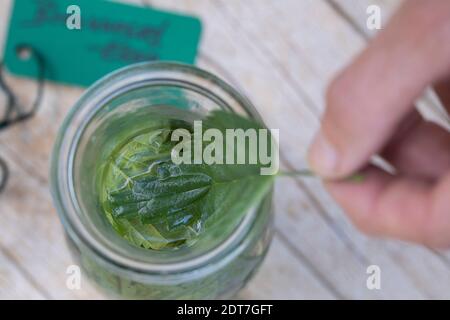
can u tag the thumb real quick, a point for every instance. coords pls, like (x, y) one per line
(367, 101)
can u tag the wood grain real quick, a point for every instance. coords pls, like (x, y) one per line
(281, 54)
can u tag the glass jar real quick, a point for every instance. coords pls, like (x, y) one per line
(216, 268)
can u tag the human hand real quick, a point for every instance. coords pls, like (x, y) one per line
(370, 110)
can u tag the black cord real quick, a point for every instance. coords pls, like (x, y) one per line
(14, 112)
(5, 174)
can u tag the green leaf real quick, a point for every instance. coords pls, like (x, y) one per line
(153, 197)
(156, 204)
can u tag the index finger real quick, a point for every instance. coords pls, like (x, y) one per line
(368, 100)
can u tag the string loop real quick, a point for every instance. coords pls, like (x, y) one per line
(14, 112)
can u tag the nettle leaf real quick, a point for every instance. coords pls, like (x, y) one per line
(153, 198)
(156, 204)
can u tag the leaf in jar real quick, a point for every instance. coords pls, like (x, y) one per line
(180, 201)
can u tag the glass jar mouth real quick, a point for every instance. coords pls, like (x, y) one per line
(93, 100)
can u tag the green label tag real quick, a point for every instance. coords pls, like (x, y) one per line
(110, 35)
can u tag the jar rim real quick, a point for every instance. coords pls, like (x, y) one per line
(97, 96)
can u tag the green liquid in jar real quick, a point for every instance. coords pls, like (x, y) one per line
(156, 204)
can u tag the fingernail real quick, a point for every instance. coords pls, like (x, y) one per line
(322, 156)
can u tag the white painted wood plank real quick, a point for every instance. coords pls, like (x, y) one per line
(357, 12)
(5, 8)
(308, 61)
(342, 268)
(282, 276)
(13, 284)
(32, 233)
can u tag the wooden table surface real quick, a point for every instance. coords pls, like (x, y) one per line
(281, 54)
